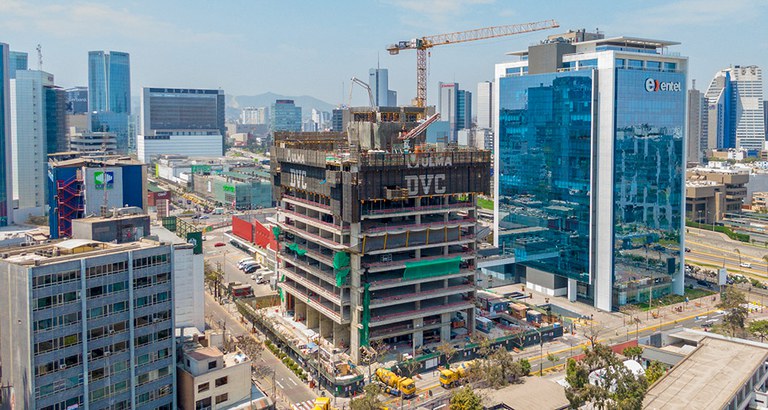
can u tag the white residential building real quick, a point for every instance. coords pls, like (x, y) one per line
(736, 116)
(192, 144)
(485, 104)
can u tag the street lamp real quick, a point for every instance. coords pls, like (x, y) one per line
(541, 352)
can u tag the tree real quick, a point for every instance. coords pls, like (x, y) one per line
(370, 399)
(733, 301)
(501, 368)
(525, 366)
(654, 372)
(632, 352)
(617, 386)
(758, 328)
(552, 358)
(447, 351)
(483, 347)
(592, 333)
(465, 399)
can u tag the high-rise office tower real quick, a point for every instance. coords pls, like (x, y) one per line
(37, 129)
(77, 100)
(109, 95)
(181, 121)
(589, 167)
(284, 116)
(696, 108)
(6, 157)
(485, 105)
(378, 80)
(455, 108)
(736, 117)
(88, 324)
(254, 115)
(17, 60)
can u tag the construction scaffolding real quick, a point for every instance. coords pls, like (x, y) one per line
(70, 203)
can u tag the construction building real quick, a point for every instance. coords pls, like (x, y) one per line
(377, 233)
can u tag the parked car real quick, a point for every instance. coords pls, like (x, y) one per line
(219, 244)
(745, 265)
(251, 268)
(687, 249)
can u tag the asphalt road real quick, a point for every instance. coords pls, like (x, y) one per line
(227, 257)
(287, 384)
(711, 248)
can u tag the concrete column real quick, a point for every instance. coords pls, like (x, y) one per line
(299, 310)
(445, 328)
(418, 287)
(326, 328)
(572, 289)
(313, 318)
(418, 333)
(341, 337)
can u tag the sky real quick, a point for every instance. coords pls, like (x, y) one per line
(304, 47)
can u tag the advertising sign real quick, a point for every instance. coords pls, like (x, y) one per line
(104, 179)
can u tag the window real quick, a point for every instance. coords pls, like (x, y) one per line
(620, 63)
(203, 387)
(222, 398)
(670, 66)
(203, 404)
(212, 364)
(635, 64)
(221, 381)
(653, 65)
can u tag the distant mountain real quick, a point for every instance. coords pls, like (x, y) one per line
(237, 102)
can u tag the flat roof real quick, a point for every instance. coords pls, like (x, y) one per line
(622, 40)
(536, 393)
(709, 377)
(58, 251)
(204, 353)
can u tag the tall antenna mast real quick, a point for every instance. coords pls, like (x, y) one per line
(39, 57)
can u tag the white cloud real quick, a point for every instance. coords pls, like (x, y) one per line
(429, 13)
(673, 15)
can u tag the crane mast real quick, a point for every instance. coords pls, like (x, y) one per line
(421, 45)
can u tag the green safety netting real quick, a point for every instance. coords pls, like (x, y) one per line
(295, 247)
(280, 292)
(341, 276)
(282, 279)
(436, 267)
(366, 316)
(276, 231)
(340, 260)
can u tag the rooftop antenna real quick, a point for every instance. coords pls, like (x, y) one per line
(39, 57)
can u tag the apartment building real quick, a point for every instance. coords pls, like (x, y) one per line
(210, 379)
(88, 324)
(378, 239)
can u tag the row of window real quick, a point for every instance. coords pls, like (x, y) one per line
(153, 337)
(152, 318)
(108, 269)
(648, 65)
(102, 290)
(102, 372)
(58, 386)
(106, 310)
(108, 391)
(52, 279)
(153, 375)
(204, 387)
(58, 364)
(154, 394)
(153, 356)
(153, 299)
(46, 302)
(204, 404)
(147, 261)
(56, 322)
(68, 404)
(100, 352)
(151, 280)
(57, 343)
(106, 330)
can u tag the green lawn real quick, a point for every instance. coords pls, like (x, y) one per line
(485, 203)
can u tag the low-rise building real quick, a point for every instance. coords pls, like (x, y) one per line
(236, 190)
(210, 379)
(760, 201)
(711, 193)
(719, 373)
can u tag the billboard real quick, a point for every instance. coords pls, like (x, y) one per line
(104, 179)
(103, 186)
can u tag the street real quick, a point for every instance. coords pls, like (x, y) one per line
(714, 250)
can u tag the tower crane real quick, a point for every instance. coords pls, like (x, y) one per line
(421, 45)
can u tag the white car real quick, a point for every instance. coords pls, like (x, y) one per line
(745, 265)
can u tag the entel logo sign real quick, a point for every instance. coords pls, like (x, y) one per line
(652, 85)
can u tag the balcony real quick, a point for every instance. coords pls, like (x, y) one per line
(438, 224)
(381, 320)
(458, 241)
(304, 202)
(315, 271)
(411, 297)
(328, 243)
(402, 329)
(314, 302)
(313, 221)
(327, 294)
(400, 263)
(386, 213)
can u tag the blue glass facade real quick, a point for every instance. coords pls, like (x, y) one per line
(109, 94)
(649, 163)
(5, 166)
(545, 124)
(285, 116)
(17, 60)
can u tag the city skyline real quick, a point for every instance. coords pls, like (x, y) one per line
(356, 37)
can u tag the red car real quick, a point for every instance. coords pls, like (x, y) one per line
(219, 244)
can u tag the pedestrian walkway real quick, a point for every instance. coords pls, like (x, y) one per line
(305, 405)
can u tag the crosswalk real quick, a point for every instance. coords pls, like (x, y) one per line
(305, 405)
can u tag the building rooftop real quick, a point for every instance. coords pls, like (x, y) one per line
(536, 393)
(91, 161)
(54, 252)
(204, 353)
(622, 41)
(708, 377)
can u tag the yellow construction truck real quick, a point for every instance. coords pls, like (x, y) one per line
(396, 385)
(454, 377)
(322, 403)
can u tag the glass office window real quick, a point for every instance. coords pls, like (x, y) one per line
(649, 163)
(670, 67)
(545, 123)
(653, 65)
(620, 62)
(635, 64)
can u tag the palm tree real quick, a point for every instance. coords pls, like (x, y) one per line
(739, 252)
(765, 259)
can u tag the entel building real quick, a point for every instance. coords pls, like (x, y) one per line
(591, 165)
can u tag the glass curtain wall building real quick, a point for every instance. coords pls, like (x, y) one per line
(6, 180)
(591, 168)
(109, 95)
